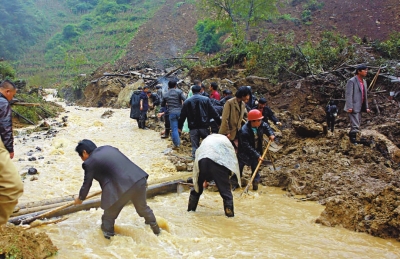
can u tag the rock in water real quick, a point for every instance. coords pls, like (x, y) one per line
(32, 171)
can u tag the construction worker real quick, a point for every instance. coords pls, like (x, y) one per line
(251, 143)
(215, 160)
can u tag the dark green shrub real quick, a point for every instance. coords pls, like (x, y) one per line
(207, 36)
(6, 71)
(389, 48)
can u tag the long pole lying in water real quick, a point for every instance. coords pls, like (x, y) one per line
(153, 190)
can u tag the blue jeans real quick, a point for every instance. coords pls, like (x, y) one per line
(173, 119)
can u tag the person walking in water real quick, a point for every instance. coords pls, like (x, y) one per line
(121, 181)
(174, 98)
(215, 161)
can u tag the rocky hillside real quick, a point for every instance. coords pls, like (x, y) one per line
(170, 32)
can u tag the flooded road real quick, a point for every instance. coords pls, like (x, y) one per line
(267, 224)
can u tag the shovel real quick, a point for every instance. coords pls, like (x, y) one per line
(258, 166)
(51, 212)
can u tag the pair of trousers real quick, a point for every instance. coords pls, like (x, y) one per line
(195, 135)
(253, 165)
(330, 121)
(137, 195)
(11, 186)
(355, 121)
(173, 120)
(209, 170)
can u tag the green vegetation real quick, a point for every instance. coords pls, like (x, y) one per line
(62, 39)
(21, 25)
(239, 16)
(6, 71)
(208, 36)
(281, 58)
(35, 113)
(389, 48)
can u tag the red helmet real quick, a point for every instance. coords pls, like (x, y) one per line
(254, 115)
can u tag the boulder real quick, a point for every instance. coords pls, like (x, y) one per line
(307, 128)
(125, 94)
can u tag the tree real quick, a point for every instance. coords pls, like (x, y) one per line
(239, 15)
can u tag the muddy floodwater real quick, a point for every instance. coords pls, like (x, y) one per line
(267, 223)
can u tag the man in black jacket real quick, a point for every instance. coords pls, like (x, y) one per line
(121, 181)
(266, 112)
(11, 186)
(134, 103)
(251, 143)
(198, 110)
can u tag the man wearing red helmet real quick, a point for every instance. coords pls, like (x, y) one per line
(251, 143)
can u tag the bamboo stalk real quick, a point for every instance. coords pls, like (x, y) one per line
(38, 208)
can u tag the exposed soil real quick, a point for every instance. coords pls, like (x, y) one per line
(17, 242)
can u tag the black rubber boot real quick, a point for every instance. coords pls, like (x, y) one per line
(353, 137)
(166, 133)
(193, 201)
(108, 229)
(156, 229)
(228, 208)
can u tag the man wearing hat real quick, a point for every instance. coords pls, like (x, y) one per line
(266, 111)
(356, 100)
(251, 144)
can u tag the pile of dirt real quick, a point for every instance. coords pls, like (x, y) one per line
(17, 242)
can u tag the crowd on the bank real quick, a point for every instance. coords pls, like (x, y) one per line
(239, 123)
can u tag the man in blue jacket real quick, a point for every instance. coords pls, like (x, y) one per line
(121, 181)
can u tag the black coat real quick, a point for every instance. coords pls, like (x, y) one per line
(113, 170)
(6, 132)
(247, 150)
(268, 114)
(198, 110)
(135, 105)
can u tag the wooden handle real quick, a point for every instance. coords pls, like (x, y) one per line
(258, 166)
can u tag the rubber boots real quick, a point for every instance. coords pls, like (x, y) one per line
(193, 201)
(166, 133)
(107, 226)
(353, 137)
(156, 229)
(228, 208)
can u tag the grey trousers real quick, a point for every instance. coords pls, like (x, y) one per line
(195, 135)
(355, 121)
(136, 194)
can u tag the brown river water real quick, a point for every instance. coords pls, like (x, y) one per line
(267, 223)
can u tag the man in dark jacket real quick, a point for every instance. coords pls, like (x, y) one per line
(144, 107)
(11, 186)
(266, 112)
(121, 181)
(198, 110)
(251, 143)
(226, 95)
(331, 113)
(135, 106)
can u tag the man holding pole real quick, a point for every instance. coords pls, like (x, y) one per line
(121, 181)
(251, 143)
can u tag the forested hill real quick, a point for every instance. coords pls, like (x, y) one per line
(51, 41)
